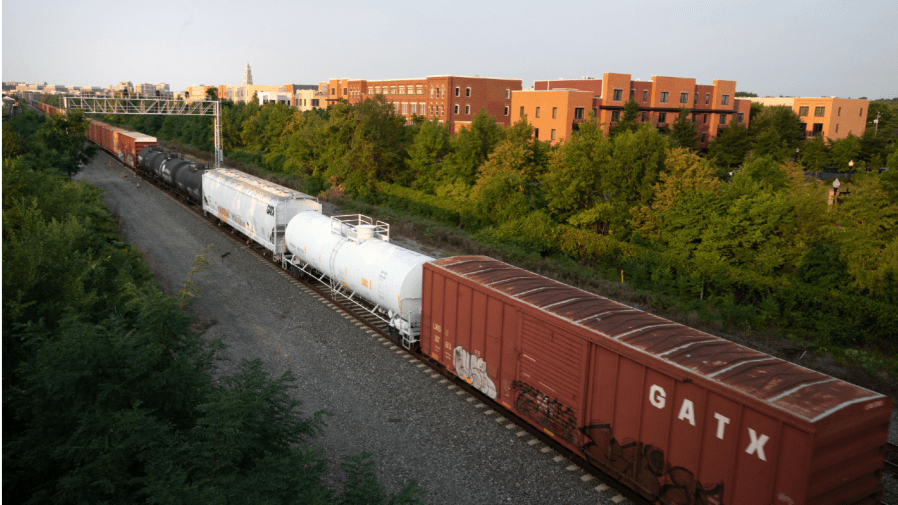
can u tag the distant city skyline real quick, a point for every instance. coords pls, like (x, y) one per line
(788, 48)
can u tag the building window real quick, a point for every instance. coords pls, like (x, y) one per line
(522, 112)
(707, 98)
(467, 91)
(396, 106)
(401, 90)
(553, 134)
(404, 108)
(705, 119)
(392, 90)
(684, 97)
(615, 115)
(595, 112)
(536, 132)
(664, 96)
(456, 108)
(803, 110)
(507, 95)
(839, 113)
(457, 91)
(662, 117)
(861, 113)
(438, 92)
(740, 117)
(618, 93)
(704, 136)
(314, 102)
(725, 100)
(537, 112)
(578, 113)
(632, 94)
(344, 91)
(837, 128)
(506, 110)
(645, 95)
(695, 98)
(467, 110)
(419, 90)
(442, 110)
(723, 119)
(643, 117)
(554, 112)
(414, 108)
(819, 111)
(431, 92)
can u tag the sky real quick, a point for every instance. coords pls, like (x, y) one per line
(838, 48)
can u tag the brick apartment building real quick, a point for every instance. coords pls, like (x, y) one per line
(833, 118)
(452, 99)
(555, 108)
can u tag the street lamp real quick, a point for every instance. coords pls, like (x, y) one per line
(850, 168)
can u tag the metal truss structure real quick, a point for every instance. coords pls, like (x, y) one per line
(150, 105)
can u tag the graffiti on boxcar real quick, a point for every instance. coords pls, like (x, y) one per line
(546, 411)
(473, 369)
(647, 467)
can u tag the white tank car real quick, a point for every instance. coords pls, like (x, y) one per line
(357, 257)
(257, 208)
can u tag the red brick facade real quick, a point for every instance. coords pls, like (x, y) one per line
(451, 99)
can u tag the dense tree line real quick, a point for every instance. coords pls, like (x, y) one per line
(108, 396)
(737, 234)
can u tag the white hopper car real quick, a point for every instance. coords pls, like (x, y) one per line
(253, 206)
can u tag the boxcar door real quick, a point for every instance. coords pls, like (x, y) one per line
(550, 378)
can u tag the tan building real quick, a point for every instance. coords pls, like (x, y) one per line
(452, 99)
(308, 99)
(711, 107)
(833, 118)
(553, 114)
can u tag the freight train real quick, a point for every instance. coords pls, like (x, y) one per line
(678, 415)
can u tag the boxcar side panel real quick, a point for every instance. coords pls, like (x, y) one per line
(756, 458)
(722, 426)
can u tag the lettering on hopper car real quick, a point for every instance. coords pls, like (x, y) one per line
(658, 399)
(270, 210)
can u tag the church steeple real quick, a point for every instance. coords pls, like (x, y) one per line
(247, 76)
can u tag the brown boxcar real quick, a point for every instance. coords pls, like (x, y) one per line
(128, 144)
(679, 415)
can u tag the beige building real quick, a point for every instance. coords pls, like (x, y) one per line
(833, 118)
(308, 99)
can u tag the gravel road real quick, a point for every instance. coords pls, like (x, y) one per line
(416, 425)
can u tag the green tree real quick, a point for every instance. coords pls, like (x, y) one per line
(471, 146)
(629, 121)
(776, 131)
(573, 181)
(683, 134)
(843, 151)
(730, 147)
(815, 154)
(430, 147)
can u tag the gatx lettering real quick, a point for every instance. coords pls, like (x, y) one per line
(658, 399)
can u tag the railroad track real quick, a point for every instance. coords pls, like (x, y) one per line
(379, 328)
(891, 459)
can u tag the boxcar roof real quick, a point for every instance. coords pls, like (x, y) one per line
(778, 383)
(252, 184)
